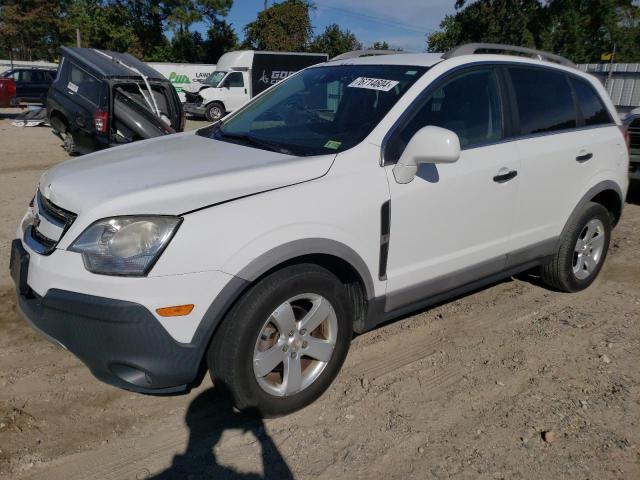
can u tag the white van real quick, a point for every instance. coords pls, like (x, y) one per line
(242, 75)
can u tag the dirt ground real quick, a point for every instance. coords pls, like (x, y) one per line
(513, 381)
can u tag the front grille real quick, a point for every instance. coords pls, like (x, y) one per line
(192, 97)
(634, 134)
(46, 211)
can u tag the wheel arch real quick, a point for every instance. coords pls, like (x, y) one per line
(57, 116)
(607, 193)
(336, 257)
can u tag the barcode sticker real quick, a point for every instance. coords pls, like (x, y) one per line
(381, 84)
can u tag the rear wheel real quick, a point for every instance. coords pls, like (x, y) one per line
(583, 249)
(214, 111)
(69, 143)
(283, 343)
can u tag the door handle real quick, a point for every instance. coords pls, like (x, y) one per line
(584, 157)
(504, 175)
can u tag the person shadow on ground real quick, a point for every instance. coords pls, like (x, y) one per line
(208, 416)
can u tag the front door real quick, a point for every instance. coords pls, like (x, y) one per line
(453, 223)
(235, 91)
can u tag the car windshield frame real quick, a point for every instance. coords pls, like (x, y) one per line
(207, 81)
(321, 110)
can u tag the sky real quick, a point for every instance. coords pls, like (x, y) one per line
(401, 23)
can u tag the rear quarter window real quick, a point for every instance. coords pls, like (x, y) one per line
(590, 104)
(544, 100)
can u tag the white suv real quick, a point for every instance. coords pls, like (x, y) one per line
(354, 192)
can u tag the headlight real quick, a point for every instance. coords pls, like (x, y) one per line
(125, 245)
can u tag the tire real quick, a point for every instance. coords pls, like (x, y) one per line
(214, 111)
(69, 143)
(254, 329)
(582, 252)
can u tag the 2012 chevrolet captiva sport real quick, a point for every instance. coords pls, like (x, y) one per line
(351, 193)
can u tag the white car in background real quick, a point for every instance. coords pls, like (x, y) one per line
(349, 194)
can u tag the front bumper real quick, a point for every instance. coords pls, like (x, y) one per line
(195, 109)
(121, 340)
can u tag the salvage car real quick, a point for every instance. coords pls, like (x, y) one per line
(32, 83)
(632, 123)
(100, 99)
(347, 195)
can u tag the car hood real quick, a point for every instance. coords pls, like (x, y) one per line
(172, 175)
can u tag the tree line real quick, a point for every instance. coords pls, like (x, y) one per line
(582, 30)
(160, 30)
(585, 31)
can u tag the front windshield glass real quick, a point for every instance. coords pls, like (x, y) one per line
(214, 78)
(320, 110)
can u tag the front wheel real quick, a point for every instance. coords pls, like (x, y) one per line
(214, 111)
(583, 249)
(283, 343)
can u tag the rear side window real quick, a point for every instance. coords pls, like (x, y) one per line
(468, 105)
(544, 100)
(593, 110)
(84, 84)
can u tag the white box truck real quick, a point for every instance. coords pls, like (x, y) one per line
(240, 76)
(182, 75)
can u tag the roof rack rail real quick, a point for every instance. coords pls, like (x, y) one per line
(475, 48)
(364, 53)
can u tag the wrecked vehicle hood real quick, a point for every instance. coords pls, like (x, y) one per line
(172, 175)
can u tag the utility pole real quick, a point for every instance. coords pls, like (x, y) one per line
(78, 39)
(265, 4)
(613, 56)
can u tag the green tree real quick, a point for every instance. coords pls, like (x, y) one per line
(284, 26)
(30, 29)
(380, 46)
(581, 30)
(334, 41)
(102, 25)
(221, 38)
(515, 22)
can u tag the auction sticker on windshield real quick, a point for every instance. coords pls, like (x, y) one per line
(374, 83)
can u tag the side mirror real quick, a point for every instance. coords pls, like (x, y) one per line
(428, 145)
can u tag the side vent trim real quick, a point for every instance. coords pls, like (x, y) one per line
(385, 229)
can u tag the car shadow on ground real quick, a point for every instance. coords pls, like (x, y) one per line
(209, 415)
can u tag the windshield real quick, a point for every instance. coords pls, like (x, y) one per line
(214, 78)
(320, 110)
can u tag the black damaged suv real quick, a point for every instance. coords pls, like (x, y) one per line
(100, 99)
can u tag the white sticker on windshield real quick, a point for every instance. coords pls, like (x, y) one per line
(73, 87)
(374, 83)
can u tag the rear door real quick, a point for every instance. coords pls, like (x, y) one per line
(83, 99)
(453, 223)
(561, 122)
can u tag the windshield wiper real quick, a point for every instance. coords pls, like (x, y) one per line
(256, 142)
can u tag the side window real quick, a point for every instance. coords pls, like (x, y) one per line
(37, 76)
(593, 110)
(468, 105)
(84, 84)
(544, 100)
(235, 80)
